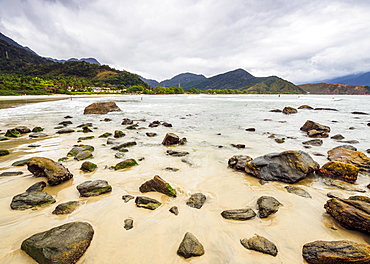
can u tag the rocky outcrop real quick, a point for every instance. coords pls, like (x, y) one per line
(172, 139)
(338, 170)
(289, 110)
(33, 197)
(359, 159)
(101, 108)
(44, 167)
(196, 200)
(239, 214)
(147, 203)
(66, 208)
(238, 162)
(267, 205)
(336, 252)
(157, 184)
(63, 244)
(93, 188)
(288, 166)
(352, 213)
(260, 244)
(190, 247)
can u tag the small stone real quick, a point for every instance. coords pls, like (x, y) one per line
(105, 135)
(147, 203)
(65, 123)
(129, 224)
(261, 244)
(239, 214)
(279, 140)
(119, 134)
(34, 146)
(37, 135)
(84, 155)
(313, 142)
(238, 146)
(93, 188)
(151, 134)
(11, 173)
(190, 247)
(65, 131)
(174, 210)
(37, 129)
(126, 198)
(196, 200)
(251, 129)
(19, 163)
(177, 153)
(171, 169)
(298, 191)
(289, 110)
(239, 162)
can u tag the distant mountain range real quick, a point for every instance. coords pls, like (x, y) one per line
(333, 88)
(352, 79)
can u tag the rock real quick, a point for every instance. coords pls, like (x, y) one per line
(44, 167)
(359, 159)
(279, 140)
(267, 205)
(337, 137)
(349, 141)
(23, 129)
(338, 170)
(239, 214)
(66, 208)
(238, 162)
(250, 129)
(65, 123)
(171, 169)
(105, 135)
(172, 139)
(359, 113)
(165, 124)
(298, 191)
(63, 244)
(157, 184)
(131, 127)
(155, 123)
(190, 247)
(33, 197)
(129, 224)
(342, 185)
(119, 134)
(11, 173)
(3, 139)
(336, 252)
(78, 149)
(276, 110)
(305, 107)
(37, 135)
(126, 198)
(37, 129)
(313, 142)
(19, 163)
(310, 125)
(238, 146)
(196, 200)
(93, 188)
(318, 154)
(260, 244)
(350, 147)
(174, 210)
(101, 108)
(4, 152)
(288, 166)
(84, 138)
(127, 163)
(177, 153)
(151, 134)
(289, 110)
(350, 213)
(12, 133)
(119, 155)
(84, 155)
(317, 134)
(88, 166)
(124, 145)
(65, 131)
(127, 121)
(68, 116)
(326, 108)
(147, 203)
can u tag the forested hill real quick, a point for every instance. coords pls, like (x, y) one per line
(334, 88)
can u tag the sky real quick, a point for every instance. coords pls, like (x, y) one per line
(301, 41)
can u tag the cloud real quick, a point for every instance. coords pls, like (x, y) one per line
(297, 40)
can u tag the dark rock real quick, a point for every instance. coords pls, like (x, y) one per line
(313, 142)
(66, 208)
(239, 214)
(326, 108)
(157, 184)
(124, 145)
(102, 108)
(23, 129)
(86, 129)
(177, 153)
(276, 110)
(305, 107)
(131, 127)
(351, 128)
(126, 198)
(119, 134)
(251, 129)
(151, 134)
(318, 154)
(63, 244)
(289, 110)
(267, 205)
(342, 185)
(349, 141)
(337, 137)
(260, 244)
(12, 133)
(147, 203)
(68, 116)
(279, 140)
(196, 200)
(88, 166)
(93, 188)
(33, 197)
(171, 139)
(106, 120)
(298, 191)
(34, 146)
(359, 113)
(65, 131)
(19, 163)
(190, 247)
(85, 125)
(338, 170)
(336, 252)
(11, 173)
(54, 171)
(65, 123)
(127, 163)
(3, 139)
(310, 125)
(37, 135)
(238, 146)
(288, 166)
(166, 124)
(239, 162)
(84, 155)
(174, 210)
(127, 121)
(85, 138)
(4, 152)
(350, 147)
(359, 159)
(129, 224)
(105, 135)
(37, 129)
(155, 123)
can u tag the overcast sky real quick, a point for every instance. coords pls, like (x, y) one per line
(301, 40)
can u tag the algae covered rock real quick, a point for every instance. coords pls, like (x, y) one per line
(93, 188)
(147, 203)
(127, 163)
(357, 158)
(339, 170)
(88, 166)
(84, 155)
(64, 244)
(102, 108)
(66, 208)
(190, 247)
(157, 184)
(4, 152)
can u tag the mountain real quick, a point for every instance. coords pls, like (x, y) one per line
(150, 82)
(183, 80)
(334, 88)
(89, 60)
(353, 79)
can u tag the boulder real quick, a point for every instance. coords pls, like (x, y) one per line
(359, 159)
(177, 153)
(313, 142)
(338, 170)
(289, 110)
(44, 167)
(93, 188)
(261, 244)
(238, 162)
(66, 208)
(157, 184)
(33, 197)
(298, 191)
(147, 203)
(310, 125)
(352, 213)
(336, 252)
(127, 163)
(88, 166)
(63, 244)
(172, 139)
(12, 133)
(267, 205)
(288, 166)
(190, 247)
(239, 214)
(101, 108)
(196, 200)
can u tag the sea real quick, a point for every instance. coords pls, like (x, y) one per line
(212, 125)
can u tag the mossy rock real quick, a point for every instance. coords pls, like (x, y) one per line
(12, 133)
(37, 129)
(119, 134)
(125, 164)
(123, 150)
(105, 135)
(88, 166)
(4, 152)
(66, 208)
(93, 188)
(63, 159)
(85, 138)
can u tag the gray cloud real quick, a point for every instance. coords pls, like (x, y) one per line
(301, 41)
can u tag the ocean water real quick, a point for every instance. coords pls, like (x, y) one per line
(211, 123)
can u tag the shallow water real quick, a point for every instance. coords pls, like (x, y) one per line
(211, 123)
